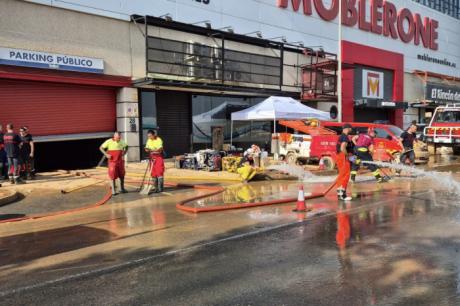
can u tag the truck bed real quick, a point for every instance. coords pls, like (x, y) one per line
(302, 127)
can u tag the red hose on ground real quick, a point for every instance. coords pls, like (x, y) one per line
(214, 190)
(104, 200)
(182, 205)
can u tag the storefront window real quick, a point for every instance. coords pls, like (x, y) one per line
(211, 111)
(149, 113)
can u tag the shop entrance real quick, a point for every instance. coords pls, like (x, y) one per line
(372, 115)
(174, 120)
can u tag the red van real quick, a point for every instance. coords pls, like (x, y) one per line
(323, 137)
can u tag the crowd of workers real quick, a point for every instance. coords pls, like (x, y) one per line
(352, 152)
(16, 154)
(115, 148)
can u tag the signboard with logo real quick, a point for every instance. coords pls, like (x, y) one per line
(27, 58)
(441, 93)
(372, 84)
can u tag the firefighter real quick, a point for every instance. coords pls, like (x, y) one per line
(364, 147)
(343, 164)
(115, 149)
(154, 147)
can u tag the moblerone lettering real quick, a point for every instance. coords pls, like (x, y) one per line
(384, 19)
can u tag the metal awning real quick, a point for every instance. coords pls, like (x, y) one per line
(373, 103)
(174, 85)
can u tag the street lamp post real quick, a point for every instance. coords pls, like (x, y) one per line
(339, 64)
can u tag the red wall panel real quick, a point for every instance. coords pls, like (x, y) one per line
(354, 53)
(54, 109)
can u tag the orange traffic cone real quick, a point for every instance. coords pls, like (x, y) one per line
(301, 201)
(321, 164)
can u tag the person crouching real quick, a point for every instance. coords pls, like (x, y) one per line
(154, 147)
(115, 149)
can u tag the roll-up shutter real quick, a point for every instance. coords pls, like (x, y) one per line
(57, 109)
(173, 109)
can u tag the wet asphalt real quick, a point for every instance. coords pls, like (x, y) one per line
(396, 250)
(396, 244)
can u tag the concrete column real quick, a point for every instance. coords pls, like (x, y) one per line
(128, 120)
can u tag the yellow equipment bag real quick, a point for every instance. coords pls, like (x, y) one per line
(246, 172)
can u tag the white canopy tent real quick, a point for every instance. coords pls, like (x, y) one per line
(277, 108)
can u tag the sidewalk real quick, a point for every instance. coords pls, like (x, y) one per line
(7, 196)
(61, 191)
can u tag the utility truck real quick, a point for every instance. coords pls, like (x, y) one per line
(444, 128)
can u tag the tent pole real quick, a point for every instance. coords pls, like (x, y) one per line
(231, 132)
(275, 157)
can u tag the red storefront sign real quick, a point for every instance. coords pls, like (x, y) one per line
(384, 19)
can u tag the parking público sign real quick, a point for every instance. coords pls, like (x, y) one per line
(19, 57)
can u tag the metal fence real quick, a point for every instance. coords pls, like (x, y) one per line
(202, 63)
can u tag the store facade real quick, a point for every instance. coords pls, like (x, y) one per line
(198, 61)
(65, 83)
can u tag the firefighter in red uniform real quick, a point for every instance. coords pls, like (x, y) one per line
(115, 149)
(343, 164)
(154, 147)
(364, 148)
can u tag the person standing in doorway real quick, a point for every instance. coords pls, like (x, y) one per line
(27, 152)
(12, 147)
(154, 147)
(115, 149)
(3, 158)
(343, 164)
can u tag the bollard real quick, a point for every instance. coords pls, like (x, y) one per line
(300, 201)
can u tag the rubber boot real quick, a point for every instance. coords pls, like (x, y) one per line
(380, 179)
(18, 180)
(342, 195)
(113, 186)
(161, 184)
(122, 185)
(353, 178)
(155, 184)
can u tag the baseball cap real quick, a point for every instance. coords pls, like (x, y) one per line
(347, 126)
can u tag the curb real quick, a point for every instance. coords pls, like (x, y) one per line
(9, 198)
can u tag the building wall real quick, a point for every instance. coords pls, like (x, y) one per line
(414, 92)
(251, 15)
(119, 43)
(42, 28)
